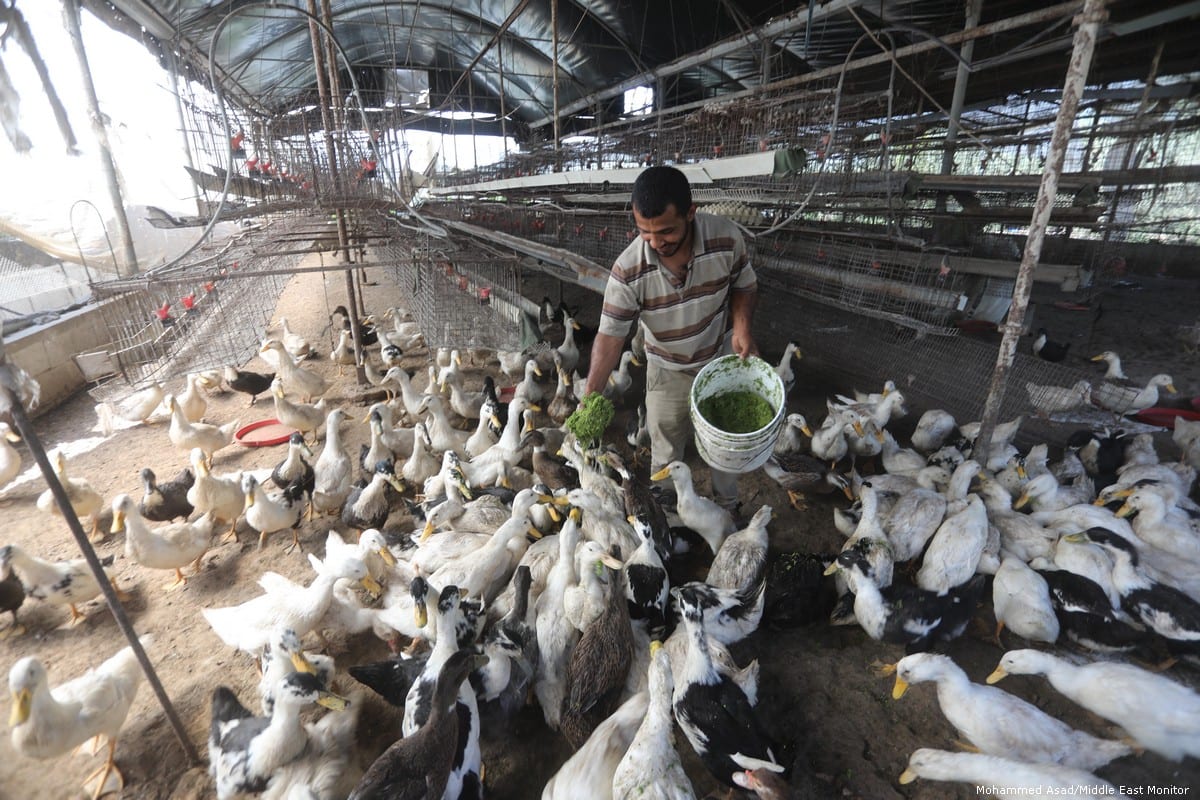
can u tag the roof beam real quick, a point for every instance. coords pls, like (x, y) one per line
(794, 21)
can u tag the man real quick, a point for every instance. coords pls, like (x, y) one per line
(689, 282)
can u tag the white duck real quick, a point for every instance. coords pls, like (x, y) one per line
(784, 368)
(85, 501)
(421, 465)
(1002, 774)
(187, 435)
(556, 636)
(702, 515)
(334, 471)
(192, 401)
(933, 429)
(169, 546)
(1114, 371)
(1044, 493)
(442, 435)
(1124, 400)
(953, 554)
(1048, 400)
(284, 604)
(590, 771)
(221, 496)
(296, 379)
(47, 723)
(56, 582)
(343, 352)
(267, 513)
(568, 351)
(528, 388)
(1021, 601)
(137, 407)
(1160, 714)
(296, 345)
(1002, 724)
(10, 459)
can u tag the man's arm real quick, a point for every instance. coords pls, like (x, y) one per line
(741, 312)
(606, 351)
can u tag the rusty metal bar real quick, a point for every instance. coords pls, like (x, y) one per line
(1088, 22)
(71, 21)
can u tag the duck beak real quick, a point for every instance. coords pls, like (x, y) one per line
(118, 523)
(427, 531)
(249, 499)
(846, 490)
(1022, 501)
(528, 425)
(998, 674)
(900, 687)
(831, 569)
(879, 435)
(22, 704)
(1076, 538)
(332, 701)
(574, 324)
(655, 646)
(807, 431)
(387, 556)
(367, 418)
(553, 512)
(908, 776)
(576, 514)
(533, 407)
(534, 532)
(301, 663)
(495, 421)
(396, 483)
(1021, 473)
(371, 585)
(537, 371)
(1171, 388)
(1097, 358)
(1125, 510)
(634, 360)
(12, 436)
(611, 561)
(661, 474)
(420, 615)
(1107, 497)
(858, 428)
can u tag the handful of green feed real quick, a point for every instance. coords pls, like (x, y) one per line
(590, 419)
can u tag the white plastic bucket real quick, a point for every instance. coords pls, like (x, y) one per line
(736, 452)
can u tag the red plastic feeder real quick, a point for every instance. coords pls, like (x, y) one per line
(264, 433)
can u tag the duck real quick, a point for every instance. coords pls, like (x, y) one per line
(712, 522)
(1085, 612)
(650, 768)
(371, 548)
(186, 435)
(47, 723)
(1002, 724)
(296, 345)
(1021, 601)
(342, 353)
(1006, 775)
(419, 764)
(556, 637)
(10, 459)
(483, 572)
(903, 614)
(1047, 349)
(1161, 715)
(245, 751)
(410, 397)
(328, 768)
(934, 428)
(528, 388)
(56, 582)
(1052, 399)
(293, 470)
(741, 562)
(222, 496)
(484, 436)
(85, 500)
(829, 440)
(1130, 400)
(333, 472)
(793, 436)
(1114, 372)
(1044, 493)
(192, 400)
(555, 473)
(870, 539)
(511, 648)
(467, 406)
(714, 713)
(12, 597)
(164, 502)
(1170, 613)
(442, 435)
(249, 626)
(599, 663)
(799, 474)
(563, 403)
(899, 460)
(169, 546)
(283, 656)
(376, 451)
(268, 514)
(368, 506)
(137, 407)
(1156, 527)
(464, 778)
(304, 417)
(784, 368)
(952, 555)
(647, 586)
(729, 615)
(913, 520)
(568, 351)
(1186, 437)
(589, 772)
(296, 379)
(247, 382)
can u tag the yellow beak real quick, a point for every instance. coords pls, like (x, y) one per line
(22, 703)
(807, 431)
(537, 371)
(1097, 358)
(1021, 473)
(302, 664)
(12, 437)
(371, 585)
(1171, 388)
(1022, 501)
(900, 687)
(332, 701)
(387, 556)
(998, 674)
(249, 499)
(655, 646)
(1125, 510)
(831, 569)
(118, 523)
(662, 473)
(427, 531)
(534, 532)
(420, 615)
(908, 776)
(553, 512)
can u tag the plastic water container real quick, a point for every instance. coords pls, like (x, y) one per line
(736, 452)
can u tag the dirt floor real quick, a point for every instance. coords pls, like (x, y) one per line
(820, 696)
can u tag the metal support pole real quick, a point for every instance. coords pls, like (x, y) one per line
(554, 63)
(967, 51)
(10, 394)
(1088, 23)
(187, 145)
(71, 20)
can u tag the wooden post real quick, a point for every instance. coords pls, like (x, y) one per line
(1088, 23)
(71, 21)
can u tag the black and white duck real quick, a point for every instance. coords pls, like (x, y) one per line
(730, 615)
(712, 710)
(905, 614)
(800, 474)
(1085, 612)
(293, 470)
(419, 765)
(1047, 349)
(647, 586)
(283, 656)
(244, 751)
(166, 501)
(511, 648)
(368, 505)
(248, 382)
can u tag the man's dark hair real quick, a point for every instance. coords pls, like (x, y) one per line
(659, 187)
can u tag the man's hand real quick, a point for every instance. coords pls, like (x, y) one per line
(744, 344)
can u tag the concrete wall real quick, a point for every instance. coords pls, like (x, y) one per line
(45, 351)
